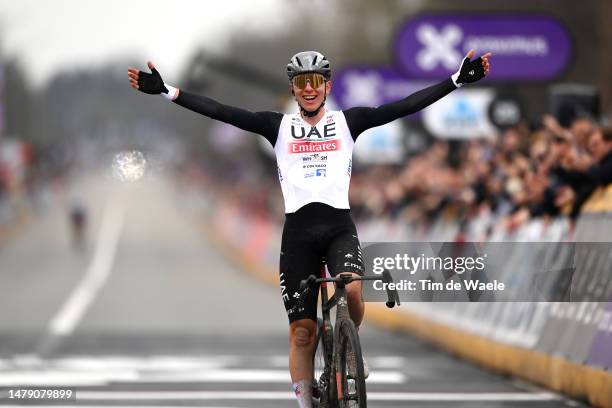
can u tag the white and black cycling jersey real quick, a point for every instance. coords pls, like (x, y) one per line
(314, 162)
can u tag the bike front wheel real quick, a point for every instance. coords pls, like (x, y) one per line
(349, 375)
(322, 364)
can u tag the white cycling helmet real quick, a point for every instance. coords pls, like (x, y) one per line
(308, 61)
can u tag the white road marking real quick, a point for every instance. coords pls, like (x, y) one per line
(253, 376)
(144, 363)
(463, 396)
(73, 310)
(278, 361)
(97, 369)
(386, 362)
(84, 370)
(282, 395)
(380, 362)
(58, 376)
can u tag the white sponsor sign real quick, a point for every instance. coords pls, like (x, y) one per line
(462, 114)
(383, 144)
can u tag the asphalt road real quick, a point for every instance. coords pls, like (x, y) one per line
(149, 314)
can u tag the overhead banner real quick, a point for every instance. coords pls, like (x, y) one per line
(372, 86)
(524, 47)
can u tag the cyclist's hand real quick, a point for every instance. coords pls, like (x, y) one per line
(148, 83)
(471, 71)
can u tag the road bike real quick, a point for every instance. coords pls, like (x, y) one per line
(338, 347)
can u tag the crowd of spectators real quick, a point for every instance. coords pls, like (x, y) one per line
(512, 178)
(521, 175)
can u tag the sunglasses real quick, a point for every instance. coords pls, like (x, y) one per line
(315, 80)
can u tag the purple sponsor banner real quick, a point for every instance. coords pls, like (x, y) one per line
(371, 86)
(523, 47)
(600, 354)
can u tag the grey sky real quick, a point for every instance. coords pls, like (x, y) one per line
(47, 36)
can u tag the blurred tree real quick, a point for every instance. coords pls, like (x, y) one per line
(17, 100)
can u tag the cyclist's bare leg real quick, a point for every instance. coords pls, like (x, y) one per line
(302, 342)
(355, 301)
(301, 346)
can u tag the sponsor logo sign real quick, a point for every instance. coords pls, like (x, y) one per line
(505, 111)
(372, 86)
(382, 144)
(312, 147)
(525, 47)
(462, 114)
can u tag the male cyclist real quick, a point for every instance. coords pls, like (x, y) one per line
(313, 150)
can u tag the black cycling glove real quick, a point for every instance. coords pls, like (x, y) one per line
(469, 71)
(151, 83)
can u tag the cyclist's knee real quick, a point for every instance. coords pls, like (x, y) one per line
(302, 334)
(302, 337)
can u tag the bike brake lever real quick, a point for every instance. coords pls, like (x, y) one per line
(307, 282)
(392, 295)
(305, 289)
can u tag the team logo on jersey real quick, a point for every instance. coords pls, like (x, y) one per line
(314, 157)
(283, 286)
(329, 130)
(354, 265)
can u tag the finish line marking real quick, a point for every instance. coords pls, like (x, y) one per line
(281, 395)
(54, 376)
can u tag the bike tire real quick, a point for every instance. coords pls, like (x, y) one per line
(322, 360)
(353, 390)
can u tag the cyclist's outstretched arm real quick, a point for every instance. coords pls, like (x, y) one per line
(360, 119)
(263, 123)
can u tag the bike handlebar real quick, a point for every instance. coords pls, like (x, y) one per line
(344, 279)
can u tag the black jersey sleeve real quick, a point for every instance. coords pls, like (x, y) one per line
(264, 123)
(360, 119)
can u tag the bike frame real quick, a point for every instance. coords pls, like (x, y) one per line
(340, 301)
